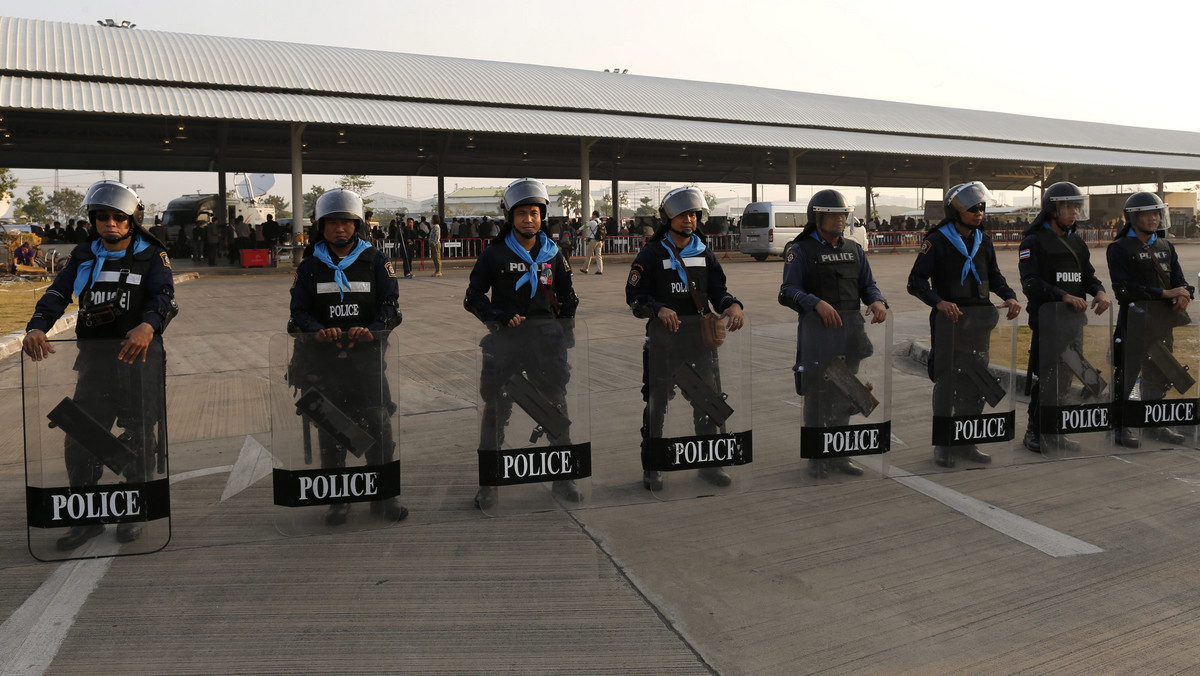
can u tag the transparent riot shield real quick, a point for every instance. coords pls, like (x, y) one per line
(535, 449)
(1157, 357)
(334, 434)
(844, 375)
(95, 452)
(696, 437)
(974, 359)
(1074, 394)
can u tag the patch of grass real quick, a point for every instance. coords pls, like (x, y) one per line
(17, 300)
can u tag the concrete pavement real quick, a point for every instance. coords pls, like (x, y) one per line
(925, 572)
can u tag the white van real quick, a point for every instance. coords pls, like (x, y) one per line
(767, 227)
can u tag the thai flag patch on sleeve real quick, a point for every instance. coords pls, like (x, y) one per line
(1024, 253)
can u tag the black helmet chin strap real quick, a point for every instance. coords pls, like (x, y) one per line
(114, 240)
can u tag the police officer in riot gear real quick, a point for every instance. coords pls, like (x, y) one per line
(828, 274)
(122, 279)
(530, 285)
(955, 268)
(1144, 269)
(344, 295)
(677, 274)
(1055, 266)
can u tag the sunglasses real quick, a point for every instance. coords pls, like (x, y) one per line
(118, 217)
(978, 209)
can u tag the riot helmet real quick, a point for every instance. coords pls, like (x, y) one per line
(681, 201)
(1143, 202)
(117, 196)
(1061, 194)
(339, 203)
(962, 197)
(827, 202)
(524, 191)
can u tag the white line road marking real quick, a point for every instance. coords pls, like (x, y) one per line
(1044, 539)
(32, 635)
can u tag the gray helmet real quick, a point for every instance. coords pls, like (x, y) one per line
(962, 197)
(339, 203)
(524, 191)
(682, 201)
(116, 196)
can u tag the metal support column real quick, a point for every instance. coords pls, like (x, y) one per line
(298, 214)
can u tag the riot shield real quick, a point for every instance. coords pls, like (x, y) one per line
(1156, 352)
(696, 427)
(844, 375)
(1073, 409)
(95, 452)
(334, 434)
(535, 449)
(974, 359)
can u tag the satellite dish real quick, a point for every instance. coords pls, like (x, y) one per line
(251, 186)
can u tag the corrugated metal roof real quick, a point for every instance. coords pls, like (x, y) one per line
(77, 51)
(151, 100)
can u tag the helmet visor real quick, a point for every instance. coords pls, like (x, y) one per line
(340, 203)
(1072, 209)
(111, 195)
(1161, 210)
(683, 200)
(524, 191)
(968, 195)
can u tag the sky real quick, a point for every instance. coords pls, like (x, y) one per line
(1130, 64)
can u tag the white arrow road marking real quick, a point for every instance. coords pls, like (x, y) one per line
(33, 634)
(253, 463)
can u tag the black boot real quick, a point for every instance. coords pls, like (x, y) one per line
(1168, 435)
(77, 536)
(973, 454)
(1032, 441)
(389, 509)
(818, 469)
(942, 457)
(485, 497)
(128, 532)
(1125, 437)
(844, 466)
(567, 490)
(336, 514)
(715, 476)
(652, 480)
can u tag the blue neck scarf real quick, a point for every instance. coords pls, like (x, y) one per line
(1152, 240)
(694, 248)
(321, 251)
(951, 234)
(546, 253)
(88, 271)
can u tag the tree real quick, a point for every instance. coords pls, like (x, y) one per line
(280, 204)
(310, 200)
(66, 204)
(35, 205)
(568, 199)
(711, 200)
(358, 183)
(647, 208)
(8, 184)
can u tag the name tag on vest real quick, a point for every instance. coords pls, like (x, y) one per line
(115, 276)
(691, 262)
(332, 287)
